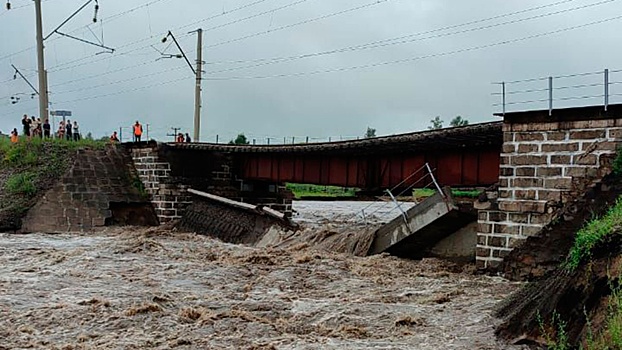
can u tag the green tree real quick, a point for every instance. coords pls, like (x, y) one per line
(458, 121)
(89, 136)
(370, 133)
(239, 140)
(437, 123)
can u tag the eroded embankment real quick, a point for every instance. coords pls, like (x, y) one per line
(131, 288)
(570, 307)
(545, 252)
(27, 170)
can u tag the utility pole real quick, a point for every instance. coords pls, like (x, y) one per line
(43, 89)
(197, 92)
(197, 72)
(174, 134)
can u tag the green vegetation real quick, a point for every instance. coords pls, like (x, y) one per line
(617, 163)
(427, 192)
(458, 121)
(555, 334)
(370, 133)
(240, 140)
(301, 190)
(22, 183)
(611, 337)
(591, 234)
(437, 123)
(30, 166)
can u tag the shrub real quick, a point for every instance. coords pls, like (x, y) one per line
(22, 183)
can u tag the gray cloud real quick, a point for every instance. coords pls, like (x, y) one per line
(392, 98)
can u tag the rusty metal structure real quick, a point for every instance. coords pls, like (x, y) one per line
(460, 157)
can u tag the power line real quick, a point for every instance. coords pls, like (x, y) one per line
(271, 11)
(506, 42)
(111, 18)
(53, 70)
(118, 82)
(124, 91)
(390, 42)
(200, 21)
(447, 53)
(333, 14)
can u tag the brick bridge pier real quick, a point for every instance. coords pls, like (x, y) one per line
(547, 163)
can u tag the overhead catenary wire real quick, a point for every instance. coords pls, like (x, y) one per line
(58, 67)
(414, 58)
(387, 42)
(65, 67)
(372, 44)
(411, 59)
(332, 51)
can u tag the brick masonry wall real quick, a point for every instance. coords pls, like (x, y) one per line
(169, 198)
(544, 167)
(84, 197)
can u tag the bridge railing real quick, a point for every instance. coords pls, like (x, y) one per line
(393, 203)
(594, 88)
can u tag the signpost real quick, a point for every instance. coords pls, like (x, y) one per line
(59, 114)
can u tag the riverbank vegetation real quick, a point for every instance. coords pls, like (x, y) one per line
(28, 169)
(302, 191)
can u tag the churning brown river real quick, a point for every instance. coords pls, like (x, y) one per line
(136, 288)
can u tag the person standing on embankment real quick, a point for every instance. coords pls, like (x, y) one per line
(138, 131)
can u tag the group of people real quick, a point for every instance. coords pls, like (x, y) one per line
(181, 138)
(34, 127)
(137, 133)
(68, 130)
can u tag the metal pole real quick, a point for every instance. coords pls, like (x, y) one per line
(398, 206)
(438, 187)
(43, 89)
(550, 96)
(503, 88)
(121, 134)
(197, 92)
(606, 89)
(147, 126)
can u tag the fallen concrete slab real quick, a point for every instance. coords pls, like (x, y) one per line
(412, 235)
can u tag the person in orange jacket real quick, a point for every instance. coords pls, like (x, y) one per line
(138, 131)
(14, 136)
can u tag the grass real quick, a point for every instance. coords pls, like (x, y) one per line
(592, 233)
(428, 192)
(611, 335)
(31, 166)
(302, 190)
(22, 184)
(555, 334)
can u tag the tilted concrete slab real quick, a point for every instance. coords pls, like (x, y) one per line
(426, 224)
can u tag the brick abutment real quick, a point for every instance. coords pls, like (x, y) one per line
(168, 198)
(544, 167)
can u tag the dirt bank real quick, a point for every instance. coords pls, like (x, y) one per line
(135, 289)
(578, 300)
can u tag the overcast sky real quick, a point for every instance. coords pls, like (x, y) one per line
(395, 86)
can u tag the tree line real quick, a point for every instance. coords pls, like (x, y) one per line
(437, 123)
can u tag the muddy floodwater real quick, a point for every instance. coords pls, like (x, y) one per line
(131, 288)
